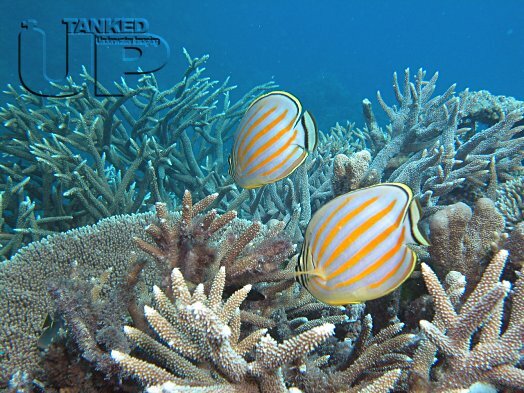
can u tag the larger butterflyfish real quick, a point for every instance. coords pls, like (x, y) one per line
(356, 246)
(273, 138)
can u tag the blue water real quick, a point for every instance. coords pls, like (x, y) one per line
(330, 54)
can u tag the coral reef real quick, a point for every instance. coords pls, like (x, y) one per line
(349, 172)
(200, 345)
(182, 244)
(225, 313)
(365, 370)
(206, 330)
(428, 148)
(493, 355)
(95, 281)
(86, 158)
(97, 278)
(70, 162)
(461, 238)
(483, 107)
(25, 281)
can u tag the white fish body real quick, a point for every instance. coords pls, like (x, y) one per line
(274, 137)
(356, 246)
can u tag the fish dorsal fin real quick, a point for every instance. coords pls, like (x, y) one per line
(278, 93)
(310, 131)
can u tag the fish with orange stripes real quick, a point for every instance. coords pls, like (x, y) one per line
(274, 137)
(356, 246)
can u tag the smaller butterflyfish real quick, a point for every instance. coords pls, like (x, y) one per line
(356, 247)
(273, 138)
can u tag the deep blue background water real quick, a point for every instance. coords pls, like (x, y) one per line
(331, 54)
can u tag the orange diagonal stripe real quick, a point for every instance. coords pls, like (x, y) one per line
(392, 273)
(356, 233)
(269, 142)
(373, 243)
(338, 225)
(291, 166)
(264, 116)
(325, 223)
(256, 112)
(273, 155)
(373, 267)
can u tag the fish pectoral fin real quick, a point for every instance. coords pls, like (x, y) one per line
(315, 272)
(299, 147)
(415, 247)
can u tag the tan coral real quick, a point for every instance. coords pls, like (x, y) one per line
(373, 357)
(85, 257)
(490, 359)
(348, 172)
(376, 364)
(460, 238)
(203, 347)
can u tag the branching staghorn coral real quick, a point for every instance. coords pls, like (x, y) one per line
(28, 223)
(199, 348)
(296, 311)
(425, 146)
(365, 369)
(98, 278)
(201, 345)
(97, 269)
(85, 158)
(82, 158)
(251, 253)
(489, 358)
